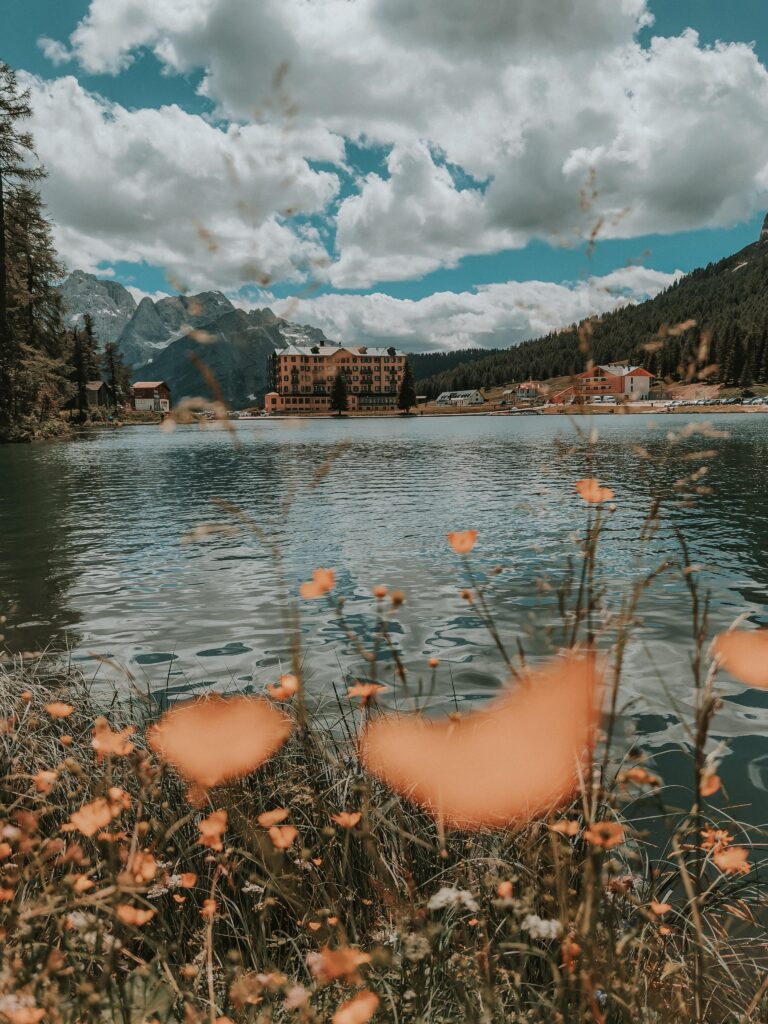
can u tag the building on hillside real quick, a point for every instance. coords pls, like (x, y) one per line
(530, 392)
(613, 380)
(460, 398)
(99, 395)
(301, 378)
(151, 396)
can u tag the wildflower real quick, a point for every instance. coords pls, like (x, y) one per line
(451, 897)
(142, 867)
(488, 768)
(213, 740)
(134, 915)
(565, 827)
(5, 851)
(659, 909)
(212, 830)
(286, 688)
(335, 964)
(589, 490)
(347, 819)
(59, 710)
(365, 691)
(92, 817)
(66, 741)
(541, 928)
(433, 662)
(710, 784)
(44, 780)
(208, 909)
(105, 741)
(639, 776)
(466, 595)
(605, 834)
(283, 836)
(416, 947)
(570, 953)
(733, 861)
(323, 581)
(397, 598)
(119, 800)
(716, 839)
(296, 998)
(187, 879)
(379, 592)
(26, 696)
(462, 541)
(744, 654)
(20, 1009)
(359, 1009)
(6, 895)
(81, 883)
(505, 890)
(270, 818)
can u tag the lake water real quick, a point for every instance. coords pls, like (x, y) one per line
(91, 553)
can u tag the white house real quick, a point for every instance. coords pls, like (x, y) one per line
(460, 398)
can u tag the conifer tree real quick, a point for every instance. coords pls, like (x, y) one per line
(85, 365)
(407, 397)
(339, 399)
(116, 373)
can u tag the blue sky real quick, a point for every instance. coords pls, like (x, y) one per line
(370, 183)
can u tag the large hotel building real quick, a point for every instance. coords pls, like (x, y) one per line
(301, 378)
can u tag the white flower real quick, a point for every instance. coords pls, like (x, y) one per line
(539, 928)
(449, 896)
(252, 887)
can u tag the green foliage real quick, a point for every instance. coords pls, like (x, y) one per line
(116, 373)
(726, 299)
(407, 397)
(339, 400)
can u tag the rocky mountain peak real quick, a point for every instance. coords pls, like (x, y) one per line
(110, 305)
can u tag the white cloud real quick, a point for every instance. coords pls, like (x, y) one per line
(170, 189)
(491, 316)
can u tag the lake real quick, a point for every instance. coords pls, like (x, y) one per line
(91, 554)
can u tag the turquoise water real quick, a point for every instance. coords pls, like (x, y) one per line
(91, 554)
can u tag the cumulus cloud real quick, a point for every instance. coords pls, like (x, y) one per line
(170, 189)
(561, 124)
(491, 316)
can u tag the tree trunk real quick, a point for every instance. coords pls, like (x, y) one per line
(5, 338)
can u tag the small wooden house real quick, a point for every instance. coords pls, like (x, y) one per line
(151, 396)
(99, 395)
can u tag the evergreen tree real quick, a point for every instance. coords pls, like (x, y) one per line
(116, 373)
(339, 400)
(407, 397)
(85, 365)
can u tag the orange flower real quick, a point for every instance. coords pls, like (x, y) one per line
(589, 490)
(285, 689)
(346, 819)
(505, 890)
(463, 541)
(744, 653)
(188, 879)
(107, 742)
(270, 818)
(66, 741)
(659, 909)
(26, 696)
(571, 951)
(142, 867)
(398, 598)
(323, 580)
(212, 830)
(24, 1014)
(44, 781)
(379, 591)
(283, 836)
(314, 926)
(709, 785)
(119, 800)
(358, 1010)
(92, 817)
(208, 910)
(433, 662)
(134, 915)
(365, 691)
(336, 964)
(514, 760)
(605, 834)
(213, 740)
(81, 883)
(639, 776)
(5, 851)
(564, 827)
(6, 895)
(59, 710)
(733, 861)
(716, 839)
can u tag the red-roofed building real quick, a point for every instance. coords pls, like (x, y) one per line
(623, 383)
(151, 396)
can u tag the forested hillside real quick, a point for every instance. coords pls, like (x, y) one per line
(728, 299)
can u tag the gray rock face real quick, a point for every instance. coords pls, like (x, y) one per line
(764, 232)
(110, 304)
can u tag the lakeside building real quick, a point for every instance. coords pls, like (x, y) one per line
(99, 394)
(624, 383)
(530, 392)
(151, 396)
(301, 378)
(460, 398)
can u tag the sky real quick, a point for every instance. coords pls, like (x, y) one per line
(434, 175)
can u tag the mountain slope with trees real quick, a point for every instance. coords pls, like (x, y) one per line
(727, 300)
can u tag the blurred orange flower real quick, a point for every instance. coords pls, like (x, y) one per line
(379, 591)
(212, 830)
(59, 710)
(605, 834)
(92, 817)
(270, 818)
(462, 541)
(433, 662)
(365, 691)
(24, 1014)
(515, 760)
(287, 687)
(187, 879)
(347, 819)
(505, 890)
(710, 784)
(715, 839)
(208, 909)
(733, 861)
(336, 964)
(589, 490)
(283, 836)
(142, 867)
(213, 740)
(359, 1009)
(639, 776)
(323, 580)
(744, 653)
(81, 883)
(659, 909)
(107, 742)
(134, 915)
(44, 781)
(565, 827)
